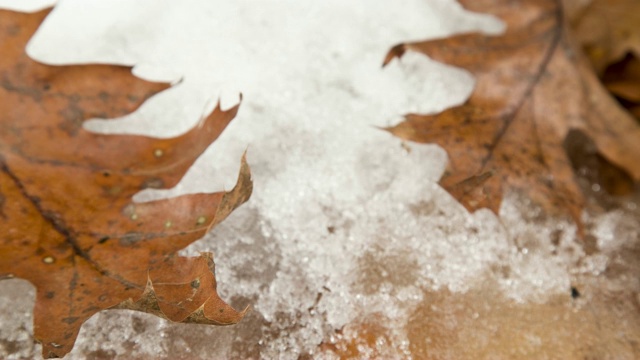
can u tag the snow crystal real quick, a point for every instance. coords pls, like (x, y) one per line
(346, 222)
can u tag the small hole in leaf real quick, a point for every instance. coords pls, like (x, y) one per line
(195, 283)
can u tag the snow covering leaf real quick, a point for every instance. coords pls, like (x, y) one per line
(69, 224)
(533, 87)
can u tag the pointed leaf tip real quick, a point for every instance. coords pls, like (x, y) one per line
(395, 52)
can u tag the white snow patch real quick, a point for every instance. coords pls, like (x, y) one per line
(26, 5)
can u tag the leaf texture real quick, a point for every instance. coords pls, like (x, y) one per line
(69, 224)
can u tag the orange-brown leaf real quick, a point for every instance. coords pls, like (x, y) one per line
(69, 224)
(607, 29)
(622, 79)
(533, 86)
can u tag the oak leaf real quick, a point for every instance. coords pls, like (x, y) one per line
(533, 87)
(607, 29)
(69, 224)
(622, 79)
(609, 33)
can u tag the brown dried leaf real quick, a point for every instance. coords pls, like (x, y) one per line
(533, 86)
(69, 224)
(623, 79)
(609, 32)
(607, 29)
